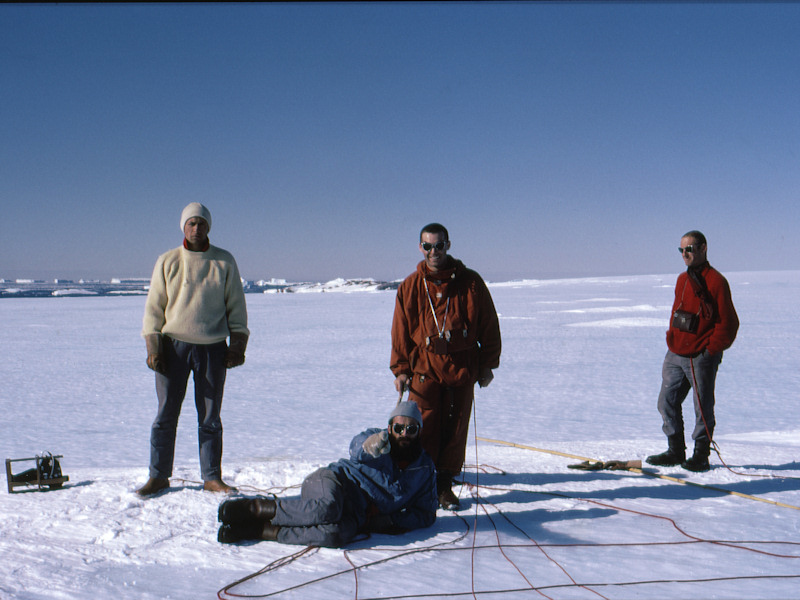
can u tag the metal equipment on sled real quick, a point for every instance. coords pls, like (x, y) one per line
(45, 474)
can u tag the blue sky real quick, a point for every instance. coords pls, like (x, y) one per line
(552, 139)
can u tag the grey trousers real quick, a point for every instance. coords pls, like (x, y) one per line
(679, 374)
(207, 364)
(321, 516)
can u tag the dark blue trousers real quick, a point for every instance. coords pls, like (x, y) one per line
(207, 364)
(323, 515)
(679, 374)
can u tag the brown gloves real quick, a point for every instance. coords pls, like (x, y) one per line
(155, 353)
(235, 354)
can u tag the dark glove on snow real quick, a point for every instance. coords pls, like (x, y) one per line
(377, 444)
(234, 356)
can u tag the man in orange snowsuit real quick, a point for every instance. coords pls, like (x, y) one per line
(445, 338)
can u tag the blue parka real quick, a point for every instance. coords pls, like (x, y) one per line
(407, 496)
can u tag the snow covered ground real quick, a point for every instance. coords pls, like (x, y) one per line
(579, 377)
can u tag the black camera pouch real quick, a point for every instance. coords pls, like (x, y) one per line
(685, 321)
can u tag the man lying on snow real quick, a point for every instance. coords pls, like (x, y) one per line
(388, 485)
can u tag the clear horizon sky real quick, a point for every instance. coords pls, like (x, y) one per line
(553, 139)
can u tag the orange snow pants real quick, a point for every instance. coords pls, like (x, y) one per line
(445, 421)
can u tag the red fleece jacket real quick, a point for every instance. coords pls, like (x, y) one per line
(716, 331)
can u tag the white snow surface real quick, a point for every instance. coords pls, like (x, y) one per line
(579, 378)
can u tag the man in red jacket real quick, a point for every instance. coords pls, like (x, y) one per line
(445, 338)
(703, 324)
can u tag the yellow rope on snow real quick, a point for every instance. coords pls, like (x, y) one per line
(642, 471)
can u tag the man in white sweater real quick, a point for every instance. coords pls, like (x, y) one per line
(195, 303)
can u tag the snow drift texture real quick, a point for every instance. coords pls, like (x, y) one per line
(580, 375)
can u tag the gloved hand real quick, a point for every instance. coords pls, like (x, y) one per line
(401, 383)
(377, 444)
(485, 377)
(234, 356)
(155, 353)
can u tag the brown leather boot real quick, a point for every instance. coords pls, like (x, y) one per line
(219, 486)
(153, 486)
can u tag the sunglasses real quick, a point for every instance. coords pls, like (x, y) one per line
(410, 430)
(427, 246)
(690, 249)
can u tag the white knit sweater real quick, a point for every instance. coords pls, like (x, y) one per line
(196, 297)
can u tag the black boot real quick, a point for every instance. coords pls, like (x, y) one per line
(232, 534)
(699, 460)
(444, 489)
(242, 532)
(675, 454)
(270, 532)
(244, 510)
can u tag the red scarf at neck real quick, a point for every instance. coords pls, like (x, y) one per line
(203, 249)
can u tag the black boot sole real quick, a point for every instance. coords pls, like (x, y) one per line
(696, 467)
(234, 512)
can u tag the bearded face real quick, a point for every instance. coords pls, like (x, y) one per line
(404, 438)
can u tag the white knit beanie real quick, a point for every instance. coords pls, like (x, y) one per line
(195, 209)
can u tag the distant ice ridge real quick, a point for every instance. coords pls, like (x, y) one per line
(74, 292)
(273, 281)
(139, 286)
(335, 285)
(34, 288)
